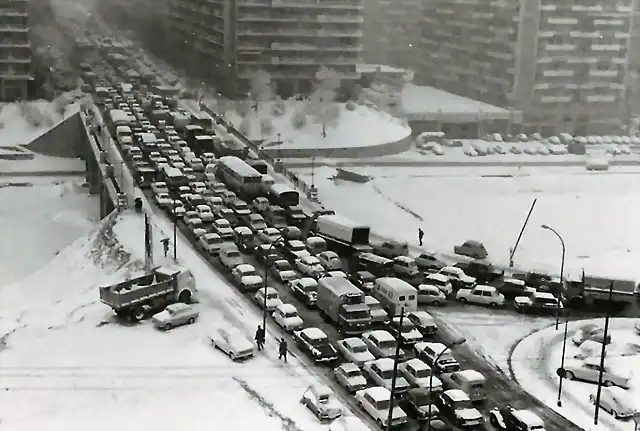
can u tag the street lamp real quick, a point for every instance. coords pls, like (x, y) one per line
(264, 283)
(175, 232)
(546, 227)
(454, 343)
(394, 375)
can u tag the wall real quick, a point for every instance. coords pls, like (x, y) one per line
(67, 139)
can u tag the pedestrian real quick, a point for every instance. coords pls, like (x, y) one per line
(282, 350)
(420, 236)
(165, 245)
(259, 338)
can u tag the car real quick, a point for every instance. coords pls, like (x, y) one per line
(430, 295)
(159, 187)
(513, 287)
(278, 267)
(198, 231)
(589, 369)
(310, 266)
(239, 207)
(458, 406)
(330, 260)
(509, 418)
(246, 277)
(223, 228)
(591, 332)
(286, 316)
(457, 277)
(363, 280)
(320, 400)
(376, 402)
(260, 204)
(391, 249)
(204, 212)
(471, 248)
(380, 372)
(440, 281)
(484, 272)
(538, 303)
(423, 404)
(218, 188)
(175, 315)
(163, 200)
(177, 210)
(211, 242)
(228, 197)
(617, 402)
(232, 342)
(306, 290)
(198, 187)
(256, 223)
(424, 322)
(354, 350)
(381, 343)
(419, 375)
(339, 274)
(409, 334)
(429, 352)
(242, 232)
(189, 215)
(350, 377)
(481, 295)
(428, 262)
(405, 267)
(268, 298)
(269, 235)
(295, 249)
(315, 343)
(472, 382)
(230, 257)
(378, 314)
(194, 223)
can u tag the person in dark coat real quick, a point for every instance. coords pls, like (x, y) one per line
(282, 350)
(420, 236)
(165, 245)
(259, 338)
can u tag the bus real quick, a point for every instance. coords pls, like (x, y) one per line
(283, 195)
(174, 177)
(239, 176)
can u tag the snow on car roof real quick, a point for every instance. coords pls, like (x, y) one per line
(385, 363)
(288, 308)
(422, 316)
(378, 393)
(544, 295)
(353, 342)
(417, 364)
(436, 347)
(457, 395)
(314, 333)
(528, 417)
(349, 366)
(439, 277)
(514, 281)
(471, 375)
(245, 267)
(381, 335)
(308, 281)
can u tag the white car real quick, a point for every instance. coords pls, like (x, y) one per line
(419, 374)
(205, 213)
(175, 315)
(199, 231)
(425, 323)
(320, 400)
(256, 222)
(279, 267)
(589, 370)
(232, 342)
(269, 235)
(268, 295)
(246, 277)
(350, 377)
(381, 343)
(354, 350)
(223, 228)
(378, 313)
(590, 332)
(163, 200)
(159, 187)
(617, 402)
(177, 209)
(310, 266)
(380, 371)
(376, 402)
(457, 276)
(481, 295)
(194, 222)
(409, 333)
(458, 404)
(211, 242)
(286, 316)
(330, 260)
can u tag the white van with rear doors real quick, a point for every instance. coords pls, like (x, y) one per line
(395, 294)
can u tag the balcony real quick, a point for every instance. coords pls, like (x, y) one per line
(15, 60)
(299, 32)
(13, 28)
(310, 47)
(314, 4)
(13, 12)
(8, 43)
(275, 18)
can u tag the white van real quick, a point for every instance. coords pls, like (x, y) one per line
(395, 294)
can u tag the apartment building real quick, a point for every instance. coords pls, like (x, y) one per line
(563, 63)
(391, 31)
(291, 39)
(15, 50)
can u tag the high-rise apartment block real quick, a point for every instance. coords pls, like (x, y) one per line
(15, 50)
(291, 39)
(563, 63)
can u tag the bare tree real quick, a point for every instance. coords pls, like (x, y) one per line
(321, 103)
(261, 87)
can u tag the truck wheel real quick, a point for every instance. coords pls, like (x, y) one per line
(137, 315)
(185, 297)
(167, 327)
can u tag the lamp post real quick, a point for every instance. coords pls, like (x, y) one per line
(394, 376)
(264, 284)
(456, 342)
(603, 354)
(175, 232)
(546, 227)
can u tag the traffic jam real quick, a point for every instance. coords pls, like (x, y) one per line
(354, 307)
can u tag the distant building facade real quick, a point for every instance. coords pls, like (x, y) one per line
(15, 50)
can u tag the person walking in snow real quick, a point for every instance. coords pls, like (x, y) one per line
(420, 236)
(282, 350)
(165, 245)
(259, 338)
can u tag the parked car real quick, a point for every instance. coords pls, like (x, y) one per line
(424, 322)
(354, 350)
(320, 400)
(280, 267)
(419, 375)
(375, 402)
(381, 343)
(230, 257)
(256, 223)
(363, 280)
(428, 352)
(246, 277)
(294, 250)
(159, 187)
(431, 295)
(268, 298)
(286, 316)
(306, 290)
(441, 281)
(590, 332)
(330, 260)
(423, 403)
(457, 277)
(378, 314)
(269, 235)
(538, 303)
(175, 315)
(315, 343)
(391, 249)
(163, 200)
(223, 228)
(211, 242)
(471, 248)
(232, 342)
(484, 272)
(310, 266)
(405, 266)
(409, 334)
(617, 401)
(205, 214)
(472, 382)
(380, 371)
(350, 377)
(428, 262)
(458, 406)
(508, 418)
(481, 295)
(588, 370)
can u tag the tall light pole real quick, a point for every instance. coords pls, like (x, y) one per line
(552, 230)
(454, 343)
(603, 353)
(394, 376)
(175, 232)
(264, 283)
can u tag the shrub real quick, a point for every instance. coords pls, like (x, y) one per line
(351, 105)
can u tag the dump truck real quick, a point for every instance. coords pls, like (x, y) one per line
(588, 290)
(343, 304)
(136, 298)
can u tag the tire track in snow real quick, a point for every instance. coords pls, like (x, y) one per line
(395, 203)
(287, 422)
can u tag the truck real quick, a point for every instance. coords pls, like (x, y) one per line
(589, 290)
(138, 297)
(343, 304)
(343, 234)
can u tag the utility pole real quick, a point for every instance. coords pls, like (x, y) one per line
(524, 226)
(603, 353)
(175, 232)
(394, 376)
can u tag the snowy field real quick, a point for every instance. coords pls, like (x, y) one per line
(362, 127)
(537, 357)
(594, 212)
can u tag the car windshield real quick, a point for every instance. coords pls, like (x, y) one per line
(233, 254)
(359, 314)
(309, 287)
(323, 399)
(283, 265)
(358, 348)
(222, 223)
(291, 314)
(353, 373)
(422, 398)
(272, 295)
(422, 373)
(382, 405)
(318, 341)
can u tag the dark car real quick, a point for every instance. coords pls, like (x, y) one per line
(512, 287)
(508, 418)
(420, 403)
(363, 280)
(248, 244)
(428, 262)
(295, 215)
(483, 272)
(315, 343)
(391, 249)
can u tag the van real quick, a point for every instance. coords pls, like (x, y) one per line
(470, 382)
(395, 295)
(406, 266)
(376, 265)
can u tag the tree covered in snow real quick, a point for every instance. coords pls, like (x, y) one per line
(321, 103)
(262, 88)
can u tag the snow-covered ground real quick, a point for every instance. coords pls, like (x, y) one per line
(537, 357)
(361, 127)
(418, 99)
(594, 212)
